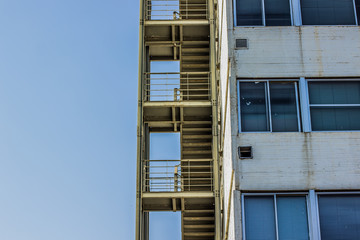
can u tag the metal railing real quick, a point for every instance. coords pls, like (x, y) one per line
(183, 86)
(177, 175)
(175, 9)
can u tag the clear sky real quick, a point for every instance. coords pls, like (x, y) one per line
(68, 102)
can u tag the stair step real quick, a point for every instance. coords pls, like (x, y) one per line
(197, 136)
(198, 226)
(196, 122)
(198, 218)
(195, 50)
(195, 65)
(197, 152)
(186, 42)
(200, 211)
(202, 144)
(195, 58)
(199, 234)
(196, 129)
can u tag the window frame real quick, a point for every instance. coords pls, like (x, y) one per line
(312, 205)
(263, 14)
(317, 194)
(295, 15)
(268, 104)
(309, 105)
(275, 194)
(355, 16)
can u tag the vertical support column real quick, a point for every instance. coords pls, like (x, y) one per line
(140, 218)
(313, 216)
(214, 100)
(304, 104)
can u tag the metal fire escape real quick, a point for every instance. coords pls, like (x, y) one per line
(184, 102)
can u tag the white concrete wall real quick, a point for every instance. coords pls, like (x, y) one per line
(226, 136)
(309, 51)
(300, 161)
(289, 161)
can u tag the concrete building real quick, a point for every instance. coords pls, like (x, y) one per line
(290, 93)
(265, 99)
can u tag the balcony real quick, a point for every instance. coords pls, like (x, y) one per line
(177, 87)
(177, 175)
(176, 9)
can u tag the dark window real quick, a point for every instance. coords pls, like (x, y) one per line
(248, 12)
(357, 3)
(277, 13)
(251, 12)
(261, 216)
(283, 107)
(254, 114)
(327, 12)
(339, 216)
(334, 105)
(268, 106)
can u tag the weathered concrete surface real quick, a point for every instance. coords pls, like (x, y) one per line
(300, 161)
(309, 51)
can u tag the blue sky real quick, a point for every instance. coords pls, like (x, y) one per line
(68, 102)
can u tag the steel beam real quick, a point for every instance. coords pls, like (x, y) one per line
(176, 22)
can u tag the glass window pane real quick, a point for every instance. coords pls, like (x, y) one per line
(283, 107)
(342, 92)
(248, 12)
(292, 218)
(357, 3)
(277, 13)
(339, 217)
(260, 218)
(327, 12)
(253, 107)
(331, 119)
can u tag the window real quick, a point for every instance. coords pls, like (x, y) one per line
(334, 105)
(263, 13)
(328, 12)
(274, 217)
(357, 5)
(339, 216)
(301, 216)
(268, 106)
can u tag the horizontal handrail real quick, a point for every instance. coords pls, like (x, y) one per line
(175, 10)
(176, 86)
(177, 175)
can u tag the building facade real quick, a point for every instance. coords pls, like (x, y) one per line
(290, 90)
(265, 99)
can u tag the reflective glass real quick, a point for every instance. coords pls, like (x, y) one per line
(292, 218)
(277, 13)
(341, 92)
(253, 107)
(249, 12)
(339, 217)
(260, 218)
(283, 107)
(327, 12)
(357, 3)
(335, 118)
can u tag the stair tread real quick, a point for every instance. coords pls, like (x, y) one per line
(199, 226)
(199, 234)
(198, 218)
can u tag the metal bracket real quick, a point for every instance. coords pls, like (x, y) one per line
(217, 193)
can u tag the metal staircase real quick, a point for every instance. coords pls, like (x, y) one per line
(184, 102)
